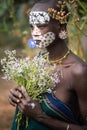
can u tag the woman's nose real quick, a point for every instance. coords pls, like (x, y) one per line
(36, 31)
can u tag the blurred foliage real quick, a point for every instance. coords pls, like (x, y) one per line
(77, 30)
(14, 25)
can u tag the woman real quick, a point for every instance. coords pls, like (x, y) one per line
(66, 107)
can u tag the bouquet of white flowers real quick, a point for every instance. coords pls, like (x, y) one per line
(35, 74)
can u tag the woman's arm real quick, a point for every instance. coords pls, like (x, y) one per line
(56, 124)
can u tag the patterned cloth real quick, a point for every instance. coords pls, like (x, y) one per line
(52, 107)
(56, 108)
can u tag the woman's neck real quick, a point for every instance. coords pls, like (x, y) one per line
(57, 50)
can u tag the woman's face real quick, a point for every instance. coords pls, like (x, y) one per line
(41, 30)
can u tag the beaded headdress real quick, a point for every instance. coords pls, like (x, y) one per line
(61, 13)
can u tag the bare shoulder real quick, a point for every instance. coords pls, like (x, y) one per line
(79, 76)
(79, 67)
(79, 71)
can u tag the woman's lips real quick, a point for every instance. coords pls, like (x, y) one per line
(38, 41)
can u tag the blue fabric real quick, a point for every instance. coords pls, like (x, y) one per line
(59, 104)
(63, 111)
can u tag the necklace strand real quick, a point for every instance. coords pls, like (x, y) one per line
(60, 62)
(62, 58)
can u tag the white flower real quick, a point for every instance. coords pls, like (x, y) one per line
(49, 90)
(35, 74)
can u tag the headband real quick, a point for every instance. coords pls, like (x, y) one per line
(39, 17)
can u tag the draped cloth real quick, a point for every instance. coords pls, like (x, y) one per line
(52, 107)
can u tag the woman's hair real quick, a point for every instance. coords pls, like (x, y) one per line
(49, 3)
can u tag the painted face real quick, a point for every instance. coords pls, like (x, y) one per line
(42, 41)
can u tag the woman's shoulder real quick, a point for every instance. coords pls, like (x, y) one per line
(79, 66)
(79, 74)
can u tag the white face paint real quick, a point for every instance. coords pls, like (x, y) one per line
(42, 41)
(36, 30)
(41, 18)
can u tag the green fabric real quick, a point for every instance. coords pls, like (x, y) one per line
(33, 125)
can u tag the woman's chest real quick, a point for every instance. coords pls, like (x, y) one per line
(66, 94)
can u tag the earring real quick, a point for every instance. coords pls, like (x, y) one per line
(63, 34)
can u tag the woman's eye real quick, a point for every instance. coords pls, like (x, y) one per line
(42, 26)
(31, 26)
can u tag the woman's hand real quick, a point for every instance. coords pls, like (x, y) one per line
(29, 107)
(15, 95)
(19, 97)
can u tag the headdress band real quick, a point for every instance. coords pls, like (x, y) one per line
(39, 17)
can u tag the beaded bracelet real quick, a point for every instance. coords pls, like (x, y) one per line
(68, 127)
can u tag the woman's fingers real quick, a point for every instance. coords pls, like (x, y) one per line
(16, 92)
(24, 92)
(14, 96)
(19, 96)
(12, 102)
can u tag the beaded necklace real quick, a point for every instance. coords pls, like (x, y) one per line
(59, 61)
